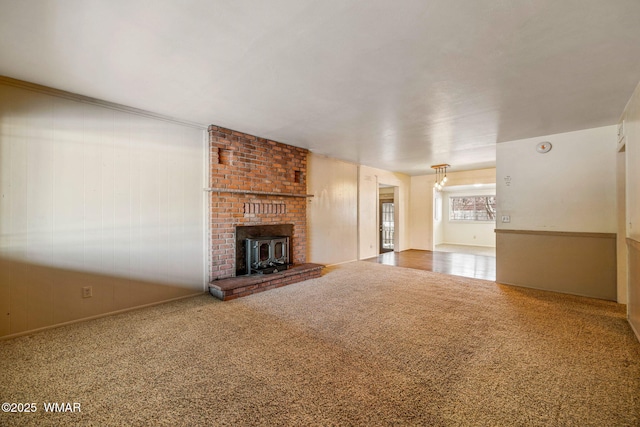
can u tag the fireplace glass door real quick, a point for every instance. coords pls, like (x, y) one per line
(267, 254)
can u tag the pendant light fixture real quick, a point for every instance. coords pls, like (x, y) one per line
(441, 176)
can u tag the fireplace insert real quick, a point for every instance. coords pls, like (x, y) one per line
(267, 254)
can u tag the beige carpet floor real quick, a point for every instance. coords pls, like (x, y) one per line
(366, 344)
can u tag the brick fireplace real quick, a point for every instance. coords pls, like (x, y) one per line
(255, 182)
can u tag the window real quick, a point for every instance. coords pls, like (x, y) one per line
(472, 208)
(387, 225)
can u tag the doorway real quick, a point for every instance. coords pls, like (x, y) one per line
(386, 217)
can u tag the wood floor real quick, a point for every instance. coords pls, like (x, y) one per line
(456, 264)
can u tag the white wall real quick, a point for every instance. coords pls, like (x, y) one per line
(94, 196)
(570, 188)
(369, 182)
(332, 214)
(467, 232)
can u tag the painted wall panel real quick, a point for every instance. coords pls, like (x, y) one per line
(108, 175)
(121, 215)
(439, 217)
(575, 263)
(621, 219)
(92, 123)
(17, 218)
(68, 161)
(632, 184)
(368, 185)
(40, 176)
(94, 196)
(332, 213)
(421, 213)
(5, 212)
(633, 307)
(632, 137)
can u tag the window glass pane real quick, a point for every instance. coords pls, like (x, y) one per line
(472, 208)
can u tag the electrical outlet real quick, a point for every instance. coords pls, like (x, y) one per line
(506, 218)
(87, 292)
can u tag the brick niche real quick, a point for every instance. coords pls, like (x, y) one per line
(246, 163)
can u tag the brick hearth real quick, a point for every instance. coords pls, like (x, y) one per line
(254, 181)
(236, 287)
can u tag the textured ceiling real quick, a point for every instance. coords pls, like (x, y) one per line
(397, 85)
